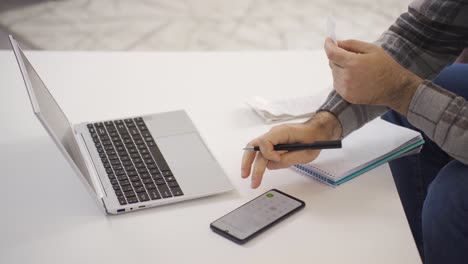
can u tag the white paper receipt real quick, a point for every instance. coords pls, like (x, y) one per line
(285, 109)
(331, 24)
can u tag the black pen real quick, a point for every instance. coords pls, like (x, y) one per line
(316, 145)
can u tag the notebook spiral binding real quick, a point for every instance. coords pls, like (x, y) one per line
(308, 171)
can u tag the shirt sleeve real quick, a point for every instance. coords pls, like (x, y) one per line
(424, 40)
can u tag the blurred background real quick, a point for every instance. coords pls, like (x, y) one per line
(187, 25)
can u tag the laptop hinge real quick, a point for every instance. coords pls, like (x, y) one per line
(96, 181)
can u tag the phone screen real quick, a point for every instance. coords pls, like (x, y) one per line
(256, 216)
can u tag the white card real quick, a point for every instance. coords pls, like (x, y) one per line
(331, 28)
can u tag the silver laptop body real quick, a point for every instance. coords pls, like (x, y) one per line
(190, 170)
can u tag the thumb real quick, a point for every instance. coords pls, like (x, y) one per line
(356, 46)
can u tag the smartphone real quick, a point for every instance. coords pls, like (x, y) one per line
(256, 216)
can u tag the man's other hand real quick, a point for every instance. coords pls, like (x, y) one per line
(363, 73)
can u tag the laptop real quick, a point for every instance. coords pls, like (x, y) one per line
(129, 163)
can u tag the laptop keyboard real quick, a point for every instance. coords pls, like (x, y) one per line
(134, 164)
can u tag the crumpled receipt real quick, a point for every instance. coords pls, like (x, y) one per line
(285, 109)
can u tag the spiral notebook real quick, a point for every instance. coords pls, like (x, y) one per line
(365, 149)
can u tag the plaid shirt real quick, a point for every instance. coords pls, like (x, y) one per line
(424, 40)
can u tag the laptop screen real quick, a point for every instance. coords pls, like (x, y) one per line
(51, 114)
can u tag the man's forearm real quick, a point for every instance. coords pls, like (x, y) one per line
(328, 122)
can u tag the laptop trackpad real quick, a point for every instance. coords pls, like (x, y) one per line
(192, 164)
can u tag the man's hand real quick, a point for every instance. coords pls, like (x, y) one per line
(363, 73)
(322, 126)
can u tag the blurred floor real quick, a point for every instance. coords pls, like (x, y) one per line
(191, 24)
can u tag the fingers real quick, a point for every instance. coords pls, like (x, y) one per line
(247, 160)
(258, 170)
(336, 54)
(356, 46)
(266, 144)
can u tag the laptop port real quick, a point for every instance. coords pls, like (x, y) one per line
(120, 210)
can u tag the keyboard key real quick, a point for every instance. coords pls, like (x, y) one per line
(108, 147)
(132, 173)
(142, 170)
(141, 146)
(164, 190)
(116, 188)
(146, 134)
(125, 183)
(157, 177)
(119, 193)
(159, 158)
(173, 184)
(154, 194)
(111, 176)
(169, 179)
(89, 126)
(152, 166)
(129, 168)
(122, 200)
(140, 189)
(134, 131)
(114, 182)
(130, 194)
(127, 188)
(177, 191)
(134, 178)
(144, 151)
(167, 173)
(143, 197)
(119, 172)
(101, 131)
(122, 177)
(150, 186)
(144, 175)
(140, 165)
(160, 182)
(137, 184)
(120, 148)
(147, 180)
(132, 200)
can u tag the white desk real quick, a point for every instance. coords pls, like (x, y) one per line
(48, 217)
